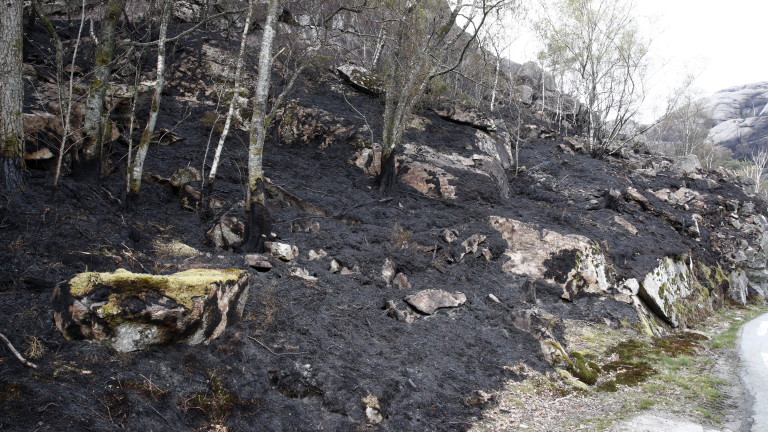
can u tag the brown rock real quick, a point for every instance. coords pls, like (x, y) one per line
(401, 281)
(428, 301)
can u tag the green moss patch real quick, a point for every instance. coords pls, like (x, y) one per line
(181, 287)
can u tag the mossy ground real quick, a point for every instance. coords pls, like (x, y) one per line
(674, 374)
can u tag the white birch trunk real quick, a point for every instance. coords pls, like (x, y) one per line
(255, 193)
(233, 102)
(136, 167)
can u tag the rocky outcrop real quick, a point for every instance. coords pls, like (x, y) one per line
(740, 118)
(361, 79)
(129, 311)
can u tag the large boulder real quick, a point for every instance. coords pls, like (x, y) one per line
(130, 311)
(361, 79)
(668, 289)
(572, 261)
(461, 114)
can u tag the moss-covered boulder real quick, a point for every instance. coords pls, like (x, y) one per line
(131, 311)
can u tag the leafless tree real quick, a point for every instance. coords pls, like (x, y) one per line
(757, 164)
(427, 44)
(604, 54)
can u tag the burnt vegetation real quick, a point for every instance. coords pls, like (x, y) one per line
(332, 346)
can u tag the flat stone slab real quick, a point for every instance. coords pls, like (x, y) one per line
(133, 311)
(429, 301)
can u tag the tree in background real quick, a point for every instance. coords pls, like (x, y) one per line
(756, 167)
(11, 96)
(427, 43)
(684, 129)
(598, 44)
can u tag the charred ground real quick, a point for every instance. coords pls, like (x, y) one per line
(316, 355)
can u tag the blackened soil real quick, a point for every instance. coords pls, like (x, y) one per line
(309, 354)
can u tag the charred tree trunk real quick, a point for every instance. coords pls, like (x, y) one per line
(136, 167)
(257, 225)
(11, 97)
(88, 166)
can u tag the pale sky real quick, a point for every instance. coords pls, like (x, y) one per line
(722, 43)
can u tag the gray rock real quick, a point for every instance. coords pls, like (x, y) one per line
(282, 251)
(258, 262)
(686, 164)
(227, 234)
(361, 79)
(465, 115)
(429, 301)
(739, 287)
(401, 281)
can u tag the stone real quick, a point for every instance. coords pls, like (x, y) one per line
(686, 164)
(304, 274)
(739, 287)
(665, 288)
(282, 251)
(257, 261)
(348, 271)
(625, 224)
(361, 79)
(335, 266)
(372, 409)
(174, 249)
(226, 234)
(747, 208)
(185, 175)
(524, 94)
(429, 301)
(449, 235)
(317, 255)
(388, 271)
(405, 315)
(130, 311)
(457, 113)
(401, 282)
(471, 244)
(572, 261)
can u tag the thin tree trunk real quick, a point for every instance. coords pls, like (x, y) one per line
(11, 97)
(208, 187)
(88, 166)
(137, 165)
(258, 225)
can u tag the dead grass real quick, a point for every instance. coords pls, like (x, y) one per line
(684, 381)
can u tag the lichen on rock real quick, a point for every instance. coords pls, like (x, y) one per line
(131, 311)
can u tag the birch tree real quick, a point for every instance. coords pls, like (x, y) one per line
(427, 44)
(88, 166)
(600, 47)
(258, 225)
(136, 166)
(11, 96)
(208, 186)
